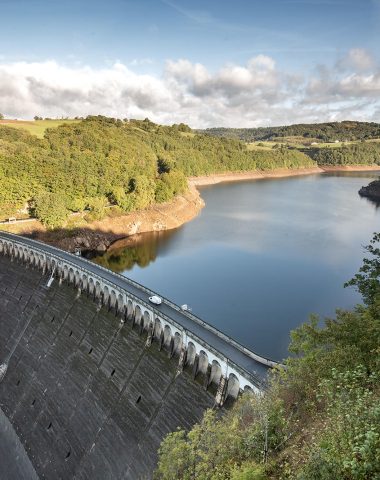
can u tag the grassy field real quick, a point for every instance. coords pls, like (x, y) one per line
(35, 127)
(261, 145)
(269, 145)
(289, 142)
(333, 145)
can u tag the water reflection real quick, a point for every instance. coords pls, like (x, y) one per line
(373, 201)
(140, 250)
(374, 176)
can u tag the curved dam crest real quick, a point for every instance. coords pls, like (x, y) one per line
(92, 387)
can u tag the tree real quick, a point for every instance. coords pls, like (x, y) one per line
(50, 209)
(175, 181)
(163, 192)
(143, 191)
(97, 206)
(1, 116)
(367, 281)
(123, 199)
(231, 447)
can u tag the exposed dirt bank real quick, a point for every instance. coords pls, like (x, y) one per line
(100, 234)
(351, 168)
(254, 175)
(278, 173)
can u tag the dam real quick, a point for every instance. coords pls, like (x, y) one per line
(93, 376)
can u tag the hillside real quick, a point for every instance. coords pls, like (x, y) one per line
(36, 127)
(102, 166)
(319, 132)
(361, 153)
(101, 161)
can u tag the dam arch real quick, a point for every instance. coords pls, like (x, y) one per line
(113, 292)
(100, 373)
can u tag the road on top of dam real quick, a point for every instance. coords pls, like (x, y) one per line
(217, 340)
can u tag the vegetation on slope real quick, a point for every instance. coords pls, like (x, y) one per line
(98, 161)
(325, 132)
(346, 143)
(356, 154)
(320, 418)
(85, 166)
(38, 126)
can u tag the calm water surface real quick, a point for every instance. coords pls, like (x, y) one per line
(262, 255)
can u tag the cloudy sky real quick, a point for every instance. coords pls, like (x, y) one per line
(234, 63)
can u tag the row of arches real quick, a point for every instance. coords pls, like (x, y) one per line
(178, 343)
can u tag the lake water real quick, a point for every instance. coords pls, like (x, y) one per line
(262, 255)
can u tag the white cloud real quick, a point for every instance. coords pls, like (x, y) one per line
(358, 80)
(254, 94)
(357, 59)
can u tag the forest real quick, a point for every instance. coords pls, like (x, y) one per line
(325, 132)
(362, 153)
(100, 161)
(318, 420)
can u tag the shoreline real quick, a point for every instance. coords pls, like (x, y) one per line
(100, 235)
(216, 178)
(252, 175)
(351, 168)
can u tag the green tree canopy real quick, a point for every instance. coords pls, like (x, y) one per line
(133, 164)
(51, 209)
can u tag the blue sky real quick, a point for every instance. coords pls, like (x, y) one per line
(330, 41)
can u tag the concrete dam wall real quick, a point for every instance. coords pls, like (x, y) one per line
(84, 396)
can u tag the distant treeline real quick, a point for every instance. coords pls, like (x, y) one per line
(354, 154)
(131, 164)
(325, 132)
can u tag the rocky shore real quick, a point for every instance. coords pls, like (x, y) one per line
(371, 191)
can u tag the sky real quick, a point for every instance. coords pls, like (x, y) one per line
(207, 63)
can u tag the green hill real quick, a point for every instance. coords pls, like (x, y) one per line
(324, 132)
(361, 153)
(131, 164)
(36, 127)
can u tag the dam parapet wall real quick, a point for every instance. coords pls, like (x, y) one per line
(201, 343)
(95, 375)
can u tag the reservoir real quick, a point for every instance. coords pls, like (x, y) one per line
(262, 255)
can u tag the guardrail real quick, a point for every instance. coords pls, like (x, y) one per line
(16, 221)
(83, 263)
